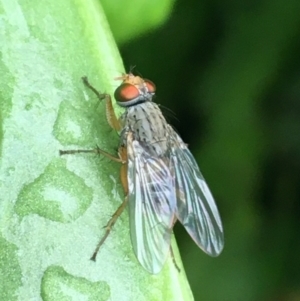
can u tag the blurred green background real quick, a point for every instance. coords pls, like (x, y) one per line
(230, 71)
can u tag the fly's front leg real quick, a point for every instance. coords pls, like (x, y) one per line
(115, 216)
(110, 113)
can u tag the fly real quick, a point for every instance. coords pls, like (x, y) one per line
(160, 177)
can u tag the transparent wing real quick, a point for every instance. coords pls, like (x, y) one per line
(152, 205)
(196, 208)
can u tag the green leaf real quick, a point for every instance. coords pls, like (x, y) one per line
(52, 208)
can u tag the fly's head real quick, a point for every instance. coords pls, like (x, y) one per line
(134, 90)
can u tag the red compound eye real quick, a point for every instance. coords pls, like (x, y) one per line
(126, 92)
(150, 85)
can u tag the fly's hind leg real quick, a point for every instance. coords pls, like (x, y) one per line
(115, 216)
(171, 251)
(174, 260)
(109, 226)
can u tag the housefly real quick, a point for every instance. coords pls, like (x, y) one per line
(160, 177)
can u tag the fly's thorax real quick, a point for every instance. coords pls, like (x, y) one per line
(148, 126)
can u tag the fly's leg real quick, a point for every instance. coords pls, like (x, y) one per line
(123, 175)
(111, 118)
(112, 221)
(115, 124)
(109, 226)
(174, 260)
(110, 113)
(171, 250)
(97, 151)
